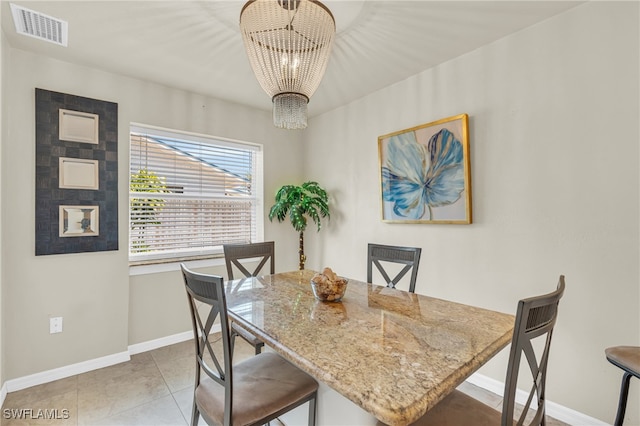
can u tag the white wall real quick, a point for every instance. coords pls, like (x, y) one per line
(554, 151)
(555, 177)
(104, 311)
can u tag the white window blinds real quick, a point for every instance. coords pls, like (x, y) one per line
(189, 194)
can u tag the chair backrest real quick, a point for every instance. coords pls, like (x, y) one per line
(235, 253)
(409, 256)
(206, 302)
(535, 318)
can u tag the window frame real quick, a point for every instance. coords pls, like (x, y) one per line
(257, 188)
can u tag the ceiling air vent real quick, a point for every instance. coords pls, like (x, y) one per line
(39, 25)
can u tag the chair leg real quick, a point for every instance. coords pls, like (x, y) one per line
(195, 413)
(622, 404)
(312, 410)
(232, 343)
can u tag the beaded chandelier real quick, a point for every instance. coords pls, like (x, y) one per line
(288, 43)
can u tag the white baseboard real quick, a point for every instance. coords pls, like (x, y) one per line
(3, 393)
(163, 341)
(64, 372)
(557, 411)
(166, 341)
(93, 364)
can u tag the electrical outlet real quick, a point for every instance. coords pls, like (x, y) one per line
(55, 325)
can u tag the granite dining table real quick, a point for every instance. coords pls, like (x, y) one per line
(394, 354)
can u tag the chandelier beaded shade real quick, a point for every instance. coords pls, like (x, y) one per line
(288, 43)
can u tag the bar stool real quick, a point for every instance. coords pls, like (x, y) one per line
(235, 255)
(252, 392)
(535, 320)
(627, 358)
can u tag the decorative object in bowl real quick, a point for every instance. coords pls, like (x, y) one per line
(328, 287)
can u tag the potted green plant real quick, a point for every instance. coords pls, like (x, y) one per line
(298, 202)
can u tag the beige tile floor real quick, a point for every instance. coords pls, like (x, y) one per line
(153, 388)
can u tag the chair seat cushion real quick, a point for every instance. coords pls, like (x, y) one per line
(625, 357)
(459, 409)
(252, 339)
(262, 385)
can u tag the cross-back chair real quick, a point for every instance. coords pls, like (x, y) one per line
(409, 256)
(252, 392)
(239, 256)
(535, 318)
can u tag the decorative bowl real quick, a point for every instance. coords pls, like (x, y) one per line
(329, 291)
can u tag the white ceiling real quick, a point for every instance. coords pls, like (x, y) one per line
(197, 46)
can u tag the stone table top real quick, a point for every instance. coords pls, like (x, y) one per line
(393, 353)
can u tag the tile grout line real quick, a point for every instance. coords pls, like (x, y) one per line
(173, 397)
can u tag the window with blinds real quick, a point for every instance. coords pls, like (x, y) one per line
(189, 194)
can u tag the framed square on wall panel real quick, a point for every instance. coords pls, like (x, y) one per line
(79, 221)
(76, 174)
(77, 126)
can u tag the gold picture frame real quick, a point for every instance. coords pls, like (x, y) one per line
(425, 173)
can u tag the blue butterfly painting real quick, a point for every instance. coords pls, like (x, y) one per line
(418, 177)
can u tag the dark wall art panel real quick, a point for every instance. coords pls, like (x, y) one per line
(76, 174)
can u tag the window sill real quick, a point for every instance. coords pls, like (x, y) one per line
(155, 268)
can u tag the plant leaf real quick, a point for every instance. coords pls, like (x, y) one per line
(298, 202)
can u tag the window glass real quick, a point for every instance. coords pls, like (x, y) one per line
(189, 194)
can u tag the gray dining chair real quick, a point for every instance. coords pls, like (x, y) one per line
(252, 392)
(535, 318)
(628, 359)
(238, 256)
(378, 254)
